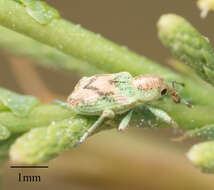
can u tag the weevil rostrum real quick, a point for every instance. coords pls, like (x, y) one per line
(106, 95)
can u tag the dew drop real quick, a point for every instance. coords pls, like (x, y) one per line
(98, 35)
(53, 123)
(125, 47)
(206, 38)
(78, 25)
(40, 11)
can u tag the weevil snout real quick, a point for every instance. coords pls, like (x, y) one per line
(165, 88)
(174, 95)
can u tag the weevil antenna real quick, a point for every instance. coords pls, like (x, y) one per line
(175, 96)
(179, 83)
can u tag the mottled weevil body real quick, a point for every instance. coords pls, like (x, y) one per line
(109, 94)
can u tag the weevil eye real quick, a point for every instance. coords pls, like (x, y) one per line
(163, 92)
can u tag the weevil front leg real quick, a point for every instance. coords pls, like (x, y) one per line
(125, 121)
(107, 114)
(162, 115)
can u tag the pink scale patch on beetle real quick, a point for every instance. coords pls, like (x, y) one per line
(91, 88)
(122, 99)
(148, 82)
(103, 84)
(81, 95)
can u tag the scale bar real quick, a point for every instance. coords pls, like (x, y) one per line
(28, 166)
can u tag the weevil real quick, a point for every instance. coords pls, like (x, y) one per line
(107, 95)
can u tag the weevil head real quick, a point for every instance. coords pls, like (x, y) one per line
(150, 88)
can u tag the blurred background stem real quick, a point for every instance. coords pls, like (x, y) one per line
(44, 55)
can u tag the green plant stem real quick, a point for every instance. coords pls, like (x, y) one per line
(188, 45)
(42, 144)
(201, 155)
(44, 55)
(73, 40)
(51, 129)
(185, 70)
(46, 143)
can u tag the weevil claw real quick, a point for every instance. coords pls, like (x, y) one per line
(121, 129)
(174, 124)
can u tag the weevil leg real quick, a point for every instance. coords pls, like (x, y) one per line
(61, 103)
(107, 114)
(125, 121)
(162, 115)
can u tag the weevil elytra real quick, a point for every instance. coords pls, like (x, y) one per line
(106, 95)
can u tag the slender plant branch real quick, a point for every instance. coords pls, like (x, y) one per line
(72, 39)
(187, 71)
(44, 55)
(202, 156)
(187, 45)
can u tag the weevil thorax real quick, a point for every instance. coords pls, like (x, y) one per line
(150, 88)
